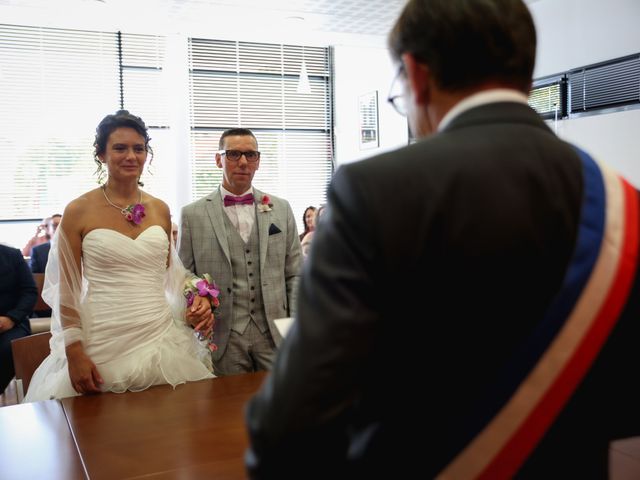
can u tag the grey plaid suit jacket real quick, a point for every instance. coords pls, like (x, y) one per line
(203, 248)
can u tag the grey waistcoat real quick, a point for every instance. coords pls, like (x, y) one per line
(247, 294)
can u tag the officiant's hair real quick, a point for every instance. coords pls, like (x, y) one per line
(490, 41)
(120, 119)
(239, 132)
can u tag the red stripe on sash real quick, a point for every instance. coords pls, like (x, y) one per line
(511, 457)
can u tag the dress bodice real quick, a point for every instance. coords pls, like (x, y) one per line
(113, 262)
(125, 292)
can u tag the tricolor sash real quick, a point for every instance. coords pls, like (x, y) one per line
(547, 371)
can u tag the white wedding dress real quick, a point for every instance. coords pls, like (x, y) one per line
(129, 329)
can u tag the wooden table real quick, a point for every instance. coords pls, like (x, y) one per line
(194, 431)
(624, 459)
(35, 442)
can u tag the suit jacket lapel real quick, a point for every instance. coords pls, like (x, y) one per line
(215, 211)
(263, 220)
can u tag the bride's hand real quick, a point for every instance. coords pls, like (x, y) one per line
(82, 371)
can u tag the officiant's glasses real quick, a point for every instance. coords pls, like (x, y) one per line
(396, 99)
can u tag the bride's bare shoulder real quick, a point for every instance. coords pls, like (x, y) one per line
(84, 202)
(155, 203)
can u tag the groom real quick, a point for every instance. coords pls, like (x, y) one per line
(248, 242)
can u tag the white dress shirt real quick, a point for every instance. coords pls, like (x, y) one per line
(482, 98)
(242, 216)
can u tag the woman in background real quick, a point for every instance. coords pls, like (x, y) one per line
(308, 220)
(111, 265)
(305, 242)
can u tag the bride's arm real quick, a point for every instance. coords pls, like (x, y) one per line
(198, 314)
(83, 373)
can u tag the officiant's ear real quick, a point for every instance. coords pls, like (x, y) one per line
(419, 78)
(218, 160)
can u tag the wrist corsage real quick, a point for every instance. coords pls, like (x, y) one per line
(203, 287)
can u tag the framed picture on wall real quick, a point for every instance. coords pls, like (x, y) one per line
(368, 116)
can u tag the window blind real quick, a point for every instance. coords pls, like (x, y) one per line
(145, 93)
(254, 85)
(55, 85)
(610, 84)
(545, 99)
(548, 97)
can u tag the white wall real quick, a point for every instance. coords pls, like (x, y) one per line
(610, 138)
(575, 33)
(358, 71)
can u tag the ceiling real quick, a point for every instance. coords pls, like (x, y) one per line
(302, 21)
(313, 19)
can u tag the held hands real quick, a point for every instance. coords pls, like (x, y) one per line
(202, 297)
(200, 316)
(82, 371)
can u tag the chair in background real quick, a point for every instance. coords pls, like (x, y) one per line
(28, 354)
(42, 321)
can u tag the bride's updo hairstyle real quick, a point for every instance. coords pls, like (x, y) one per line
(122, 118)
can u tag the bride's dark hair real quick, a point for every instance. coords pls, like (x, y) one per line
(122, 118)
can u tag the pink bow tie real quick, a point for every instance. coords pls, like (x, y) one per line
(242, 200)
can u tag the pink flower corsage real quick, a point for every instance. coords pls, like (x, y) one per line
(203, 287)
(134, 213)
(265, 204)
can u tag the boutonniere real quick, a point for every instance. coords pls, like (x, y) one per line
(265, 204)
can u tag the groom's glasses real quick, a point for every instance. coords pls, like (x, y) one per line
(234, 155)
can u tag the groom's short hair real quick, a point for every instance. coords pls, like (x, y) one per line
(240, 132)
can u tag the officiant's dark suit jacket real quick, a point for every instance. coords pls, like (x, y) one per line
(470, 308)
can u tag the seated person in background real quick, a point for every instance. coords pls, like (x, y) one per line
(40, 253)
(308, 220)
(116, 284)
(483, 320)
(18, 295)
(39, 238)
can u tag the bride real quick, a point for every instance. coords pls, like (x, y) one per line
(115, 284)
